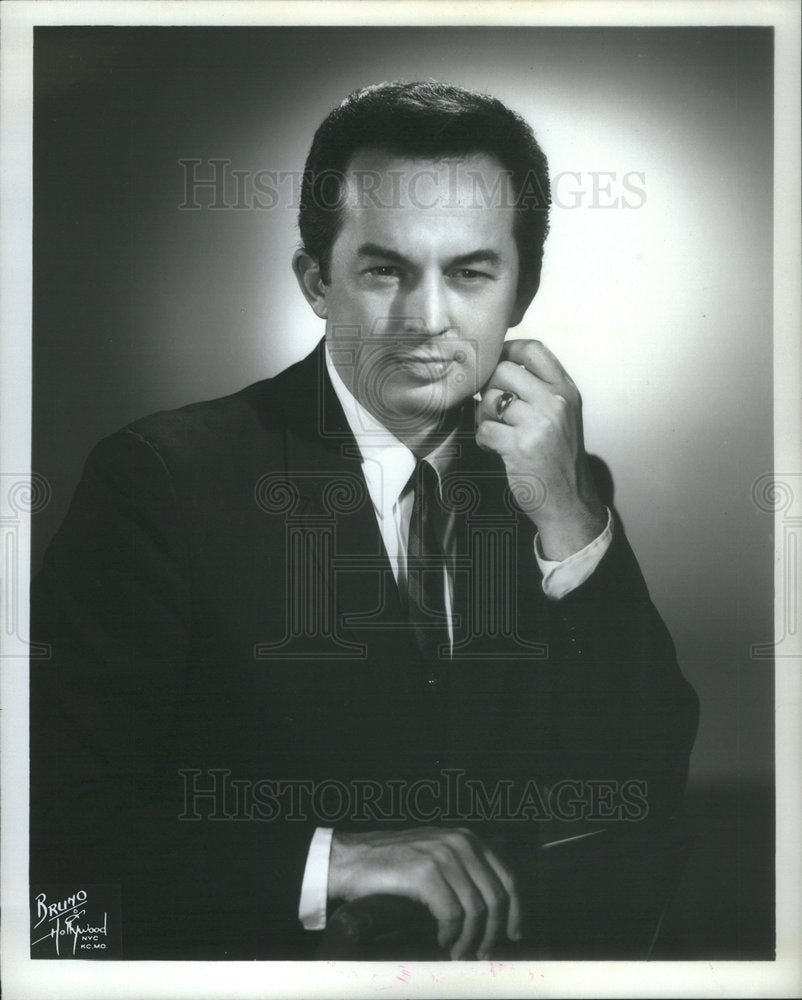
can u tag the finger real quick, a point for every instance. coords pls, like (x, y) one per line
(514, 413)
(536, 358)
(495, 894)
(441, 900)
(514, 910)
(492, 435)
(472, 900)
(474, 858)
(510, 377)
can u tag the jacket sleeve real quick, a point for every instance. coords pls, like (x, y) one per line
(112, 716)
(622, 709)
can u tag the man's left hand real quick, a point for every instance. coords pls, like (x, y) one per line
(539, 438)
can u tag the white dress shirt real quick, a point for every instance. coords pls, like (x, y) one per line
(387, 465)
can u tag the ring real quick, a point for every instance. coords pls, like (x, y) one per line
(503, 402)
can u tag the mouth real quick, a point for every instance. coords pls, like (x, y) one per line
(429, 366)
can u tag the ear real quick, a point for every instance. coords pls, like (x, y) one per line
(307, 274)
(526, 292)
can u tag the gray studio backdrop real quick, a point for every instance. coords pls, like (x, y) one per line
(656, 292)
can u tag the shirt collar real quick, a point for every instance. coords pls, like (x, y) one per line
(387, 463)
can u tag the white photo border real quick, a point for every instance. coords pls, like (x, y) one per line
(30, 979)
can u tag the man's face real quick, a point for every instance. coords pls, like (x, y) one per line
(423, 284)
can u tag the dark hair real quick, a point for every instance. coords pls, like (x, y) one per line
(433, 120)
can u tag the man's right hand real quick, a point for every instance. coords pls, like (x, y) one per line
(468, 890)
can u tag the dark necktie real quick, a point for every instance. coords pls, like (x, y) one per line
(426, 560)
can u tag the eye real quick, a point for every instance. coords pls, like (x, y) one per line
(468, 274)
(384, 271)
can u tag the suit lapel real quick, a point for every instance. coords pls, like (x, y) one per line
(323, 463)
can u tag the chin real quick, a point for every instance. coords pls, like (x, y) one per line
(431, 412)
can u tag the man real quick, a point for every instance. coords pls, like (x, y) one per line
(388, 564)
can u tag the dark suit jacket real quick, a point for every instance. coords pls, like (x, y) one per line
(220, 610)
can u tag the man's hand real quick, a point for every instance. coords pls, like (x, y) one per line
(539, 438)
(464, 885)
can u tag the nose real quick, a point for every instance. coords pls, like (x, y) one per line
(427, 307)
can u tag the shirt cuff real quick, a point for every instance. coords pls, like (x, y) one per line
(315, 886)
(560, 578)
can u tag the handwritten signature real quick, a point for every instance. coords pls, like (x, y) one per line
(64, 918)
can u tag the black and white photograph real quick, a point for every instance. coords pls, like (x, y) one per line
(403, 584)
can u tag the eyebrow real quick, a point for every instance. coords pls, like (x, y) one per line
(481, 256)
